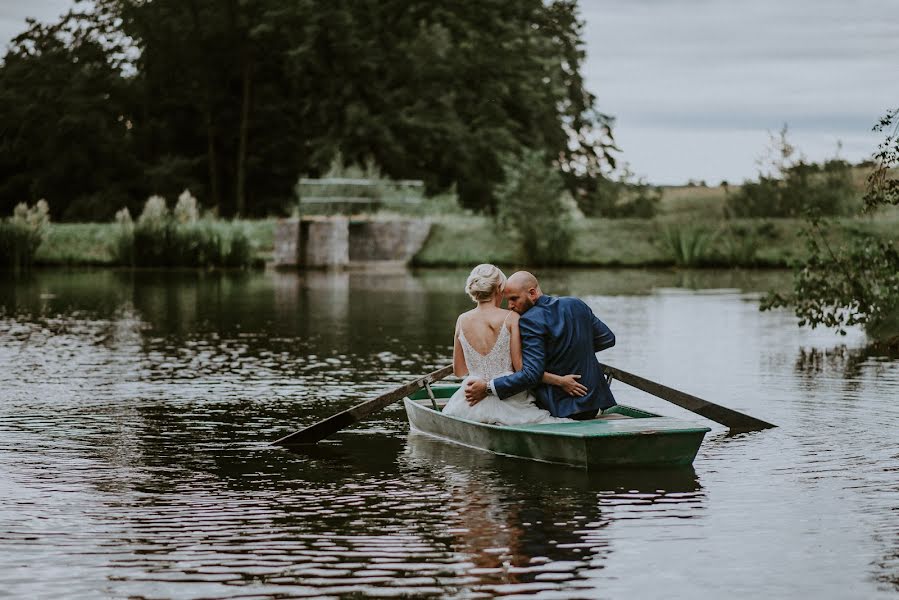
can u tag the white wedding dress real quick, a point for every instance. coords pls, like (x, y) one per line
(515, 410)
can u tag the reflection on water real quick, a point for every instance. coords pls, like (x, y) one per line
(136, 411)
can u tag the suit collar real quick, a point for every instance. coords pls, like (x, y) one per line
(543, 300)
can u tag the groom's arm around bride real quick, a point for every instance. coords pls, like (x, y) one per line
(558, 335)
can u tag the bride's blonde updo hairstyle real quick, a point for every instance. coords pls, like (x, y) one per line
(484, 282)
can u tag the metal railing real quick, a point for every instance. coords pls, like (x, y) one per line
(348, 202)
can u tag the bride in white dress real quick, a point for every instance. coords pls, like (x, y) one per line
(488, 345)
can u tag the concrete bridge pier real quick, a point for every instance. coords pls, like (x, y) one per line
(338, 242)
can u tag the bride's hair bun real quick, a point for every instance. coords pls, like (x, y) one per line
(484, 282)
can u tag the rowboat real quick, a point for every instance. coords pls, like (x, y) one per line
(623, 436)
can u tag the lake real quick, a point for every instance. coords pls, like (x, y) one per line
(137, 410)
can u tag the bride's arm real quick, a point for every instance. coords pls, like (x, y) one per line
(515, 341)
(460, 369)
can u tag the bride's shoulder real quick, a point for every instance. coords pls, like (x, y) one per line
(512, 317)
(463, 317)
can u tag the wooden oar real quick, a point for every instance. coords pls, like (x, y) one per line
(735, 421)
(335, 423)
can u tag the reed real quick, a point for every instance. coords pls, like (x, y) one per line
(180, 238)
(688, 245)
(22, 234)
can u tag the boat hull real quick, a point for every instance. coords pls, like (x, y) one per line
(643, 439)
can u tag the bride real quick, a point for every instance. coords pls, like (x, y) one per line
(488, 345)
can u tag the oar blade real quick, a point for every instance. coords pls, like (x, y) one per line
(319, 431)
(733, 420)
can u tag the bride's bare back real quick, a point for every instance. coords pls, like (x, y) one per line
(481, 328)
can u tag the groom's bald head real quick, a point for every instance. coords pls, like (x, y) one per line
(522, 291)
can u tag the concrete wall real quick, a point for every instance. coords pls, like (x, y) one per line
(335, 242)
(373, 241)
(325, 243)
(287, 243)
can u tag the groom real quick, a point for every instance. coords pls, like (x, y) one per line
(559, 335)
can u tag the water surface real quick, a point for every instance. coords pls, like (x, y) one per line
(136, 412)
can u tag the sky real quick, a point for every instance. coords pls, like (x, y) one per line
(697, 86)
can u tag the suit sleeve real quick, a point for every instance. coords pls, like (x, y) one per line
(603, 338)
(533, 351)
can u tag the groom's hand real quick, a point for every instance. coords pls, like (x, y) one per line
(475, 391)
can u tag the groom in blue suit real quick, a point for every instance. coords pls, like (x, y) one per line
(558, 335)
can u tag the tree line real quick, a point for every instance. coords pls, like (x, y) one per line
(234, 100)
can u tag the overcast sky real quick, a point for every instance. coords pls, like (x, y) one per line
(696, 85)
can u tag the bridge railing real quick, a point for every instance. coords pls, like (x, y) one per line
(342, 195)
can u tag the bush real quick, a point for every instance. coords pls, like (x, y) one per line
(181, 238)
(534, 208)
(792, 188)
(22, 234)
(624, 198)
(856, 282)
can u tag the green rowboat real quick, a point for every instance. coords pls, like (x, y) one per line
(625, 436)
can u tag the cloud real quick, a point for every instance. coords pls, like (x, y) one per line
(722, 73)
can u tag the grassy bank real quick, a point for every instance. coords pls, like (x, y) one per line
(468, 240)
(94, 243)
(748, 243)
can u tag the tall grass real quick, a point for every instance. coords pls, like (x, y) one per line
(180, 238)
(688, 245)
(22, 234)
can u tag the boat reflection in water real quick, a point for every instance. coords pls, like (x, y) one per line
(523, 527)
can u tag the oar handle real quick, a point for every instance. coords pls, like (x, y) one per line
(333, 424)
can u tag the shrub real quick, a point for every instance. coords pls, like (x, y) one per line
(857, 282)
(790, 188)
(739, 243)
(180, 238)
(621, 198)
(22, 234)
(535, 209)
(124, 238)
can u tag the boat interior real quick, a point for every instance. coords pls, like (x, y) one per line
(436, 397)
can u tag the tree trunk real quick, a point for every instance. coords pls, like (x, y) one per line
(242, 144)
(212, 160)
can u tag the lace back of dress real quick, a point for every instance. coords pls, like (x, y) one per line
(495, 363)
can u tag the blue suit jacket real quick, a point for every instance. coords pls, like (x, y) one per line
(561, 335)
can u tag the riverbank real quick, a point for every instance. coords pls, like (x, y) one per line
(467, 240)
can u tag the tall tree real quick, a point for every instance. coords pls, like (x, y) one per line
(65, 119)
(237, 98)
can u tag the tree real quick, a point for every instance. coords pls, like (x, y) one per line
(856, 283)
(234, 99)
(65, 121)
(535, 208)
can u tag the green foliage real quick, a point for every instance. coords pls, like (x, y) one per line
(22, 234)
(790, 188)
(689, 245)
(121, 100)
(535, 209)
(64, 114)
(626, 197)
(180, 238)
(856, 282)
(739, 242)
(883, 185)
